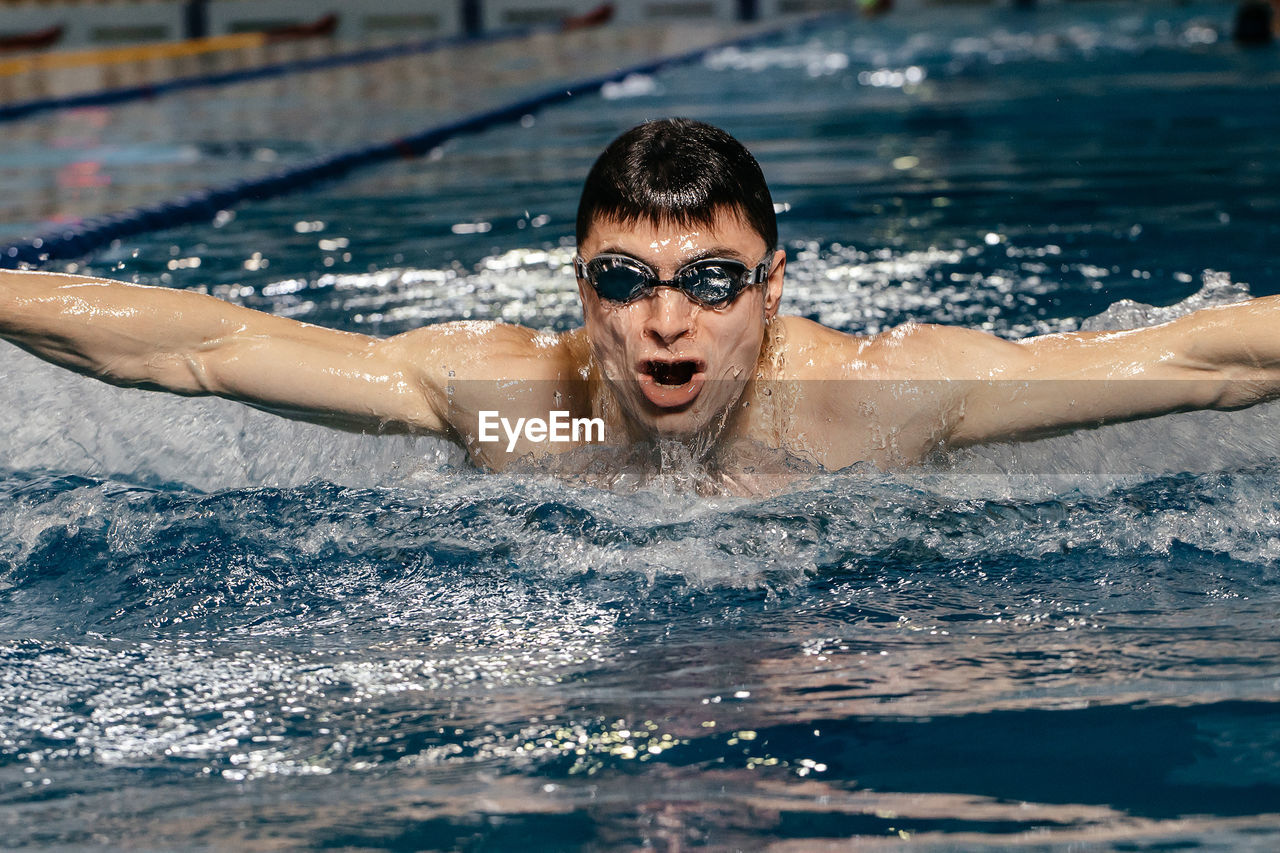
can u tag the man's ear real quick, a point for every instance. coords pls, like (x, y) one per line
(773, 286)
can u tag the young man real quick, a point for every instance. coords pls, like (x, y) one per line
(682, 345)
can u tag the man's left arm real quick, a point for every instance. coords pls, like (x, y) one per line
(1226, 357)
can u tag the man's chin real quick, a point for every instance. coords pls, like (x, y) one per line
(681, 426)
(683, 423)
(690, 411)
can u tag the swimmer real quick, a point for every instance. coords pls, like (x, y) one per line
(682, 345)
(1257, 22)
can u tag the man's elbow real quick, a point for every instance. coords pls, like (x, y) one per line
(1242, 389)
(178, 373)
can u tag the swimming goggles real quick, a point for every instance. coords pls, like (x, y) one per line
(712, 282)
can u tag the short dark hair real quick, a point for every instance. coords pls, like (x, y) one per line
(677, 171)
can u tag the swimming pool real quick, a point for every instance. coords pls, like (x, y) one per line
(224, 630)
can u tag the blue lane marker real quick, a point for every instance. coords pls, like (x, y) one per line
(74, 241)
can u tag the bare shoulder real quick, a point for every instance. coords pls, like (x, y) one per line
(491, 350)
(868, 397)
(910, 351)
(801, 349)
(927, 351)
(457, 369)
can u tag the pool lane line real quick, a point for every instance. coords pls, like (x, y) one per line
(133, 53)
(202, 206)
(147, 91)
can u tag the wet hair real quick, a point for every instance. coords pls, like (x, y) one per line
(680, 172)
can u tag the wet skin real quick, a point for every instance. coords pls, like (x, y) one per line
(659, 369)
(674, 366)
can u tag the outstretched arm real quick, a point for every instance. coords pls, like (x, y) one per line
(189, 343)
(1217, 358)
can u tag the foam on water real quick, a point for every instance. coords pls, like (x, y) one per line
(474, 625)
(55, 420)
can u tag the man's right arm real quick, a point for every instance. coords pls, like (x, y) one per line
(193, 344)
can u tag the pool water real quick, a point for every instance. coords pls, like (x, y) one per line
(223, 630)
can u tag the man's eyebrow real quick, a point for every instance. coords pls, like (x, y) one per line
(614, 250)
(726, 252)
(717, 252)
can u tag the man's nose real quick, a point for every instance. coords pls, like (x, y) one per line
(670, 314)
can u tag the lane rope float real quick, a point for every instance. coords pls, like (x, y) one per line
(147, 91)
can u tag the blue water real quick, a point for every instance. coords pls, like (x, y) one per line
(223, 630)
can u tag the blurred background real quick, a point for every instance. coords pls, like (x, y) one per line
(362, 71)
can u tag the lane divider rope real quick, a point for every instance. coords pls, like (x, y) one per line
(147, 91)
(130, 53)
(80, 239)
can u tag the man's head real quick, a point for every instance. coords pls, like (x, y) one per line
(670, 195)
(676, 172)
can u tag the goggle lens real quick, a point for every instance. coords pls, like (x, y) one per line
(713, 282)
(618, 281)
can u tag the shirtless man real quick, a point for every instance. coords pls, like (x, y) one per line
(680, 278)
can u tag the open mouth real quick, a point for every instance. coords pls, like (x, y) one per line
(671, 372)
(671, 384)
